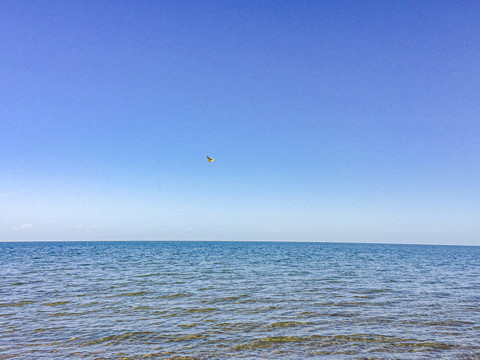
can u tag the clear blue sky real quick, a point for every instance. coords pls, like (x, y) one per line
(329, 120)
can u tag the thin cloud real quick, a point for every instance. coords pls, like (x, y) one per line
(22, 227)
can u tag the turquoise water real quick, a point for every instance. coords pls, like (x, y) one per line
(238, 300)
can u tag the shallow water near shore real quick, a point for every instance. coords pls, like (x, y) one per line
(238, 300)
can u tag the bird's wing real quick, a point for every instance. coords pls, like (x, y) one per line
(209, 158)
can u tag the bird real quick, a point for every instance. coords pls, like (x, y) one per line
(210, 159)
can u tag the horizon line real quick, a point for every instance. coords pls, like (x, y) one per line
(255, 241)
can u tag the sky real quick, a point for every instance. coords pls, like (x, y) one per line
(353, 121)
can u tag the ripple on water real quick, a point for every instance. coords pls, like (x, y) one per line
(269, 342)
(174, 296)
(137, 336)
(202, 310)
(238, 326)
(234, 300)
(17, 303)
(137, 293)
(188, 337)
(229, 299)
(318, 341)
(284, 324)
(56, 303)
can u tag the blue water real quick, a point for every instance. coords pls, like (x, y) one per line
(238, 300)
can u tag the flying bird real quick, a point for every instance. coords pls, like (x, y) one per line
(210, 159)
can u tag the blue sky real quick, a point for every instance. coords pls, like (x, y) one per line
(329, 121)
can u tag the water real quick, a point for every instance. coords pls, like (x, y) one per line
(238, 300)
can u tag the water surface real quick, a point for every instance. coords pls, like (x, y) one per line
(238, 300)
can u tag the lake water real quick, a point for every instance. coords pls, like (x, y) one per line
(238, 300)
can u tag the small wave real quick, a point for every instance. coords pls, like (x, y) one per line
(261, 309)
(59, 314)
(57, 303)
(189, 337)
(201, 310)
(138, 293)
(238, 326)
(283, 324)
(174, 296)
(88, 304)
(114, 339)
(228, 299)
(18, 303)
(269, 342)
(161, 356)
(189, 325)
(373, 291)
(4, 357)
(147, 275)
(323, 304)
(401, 344)
(351, 304)
(449, 323)
(438, 323)
(343, 314)
(41, 329)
